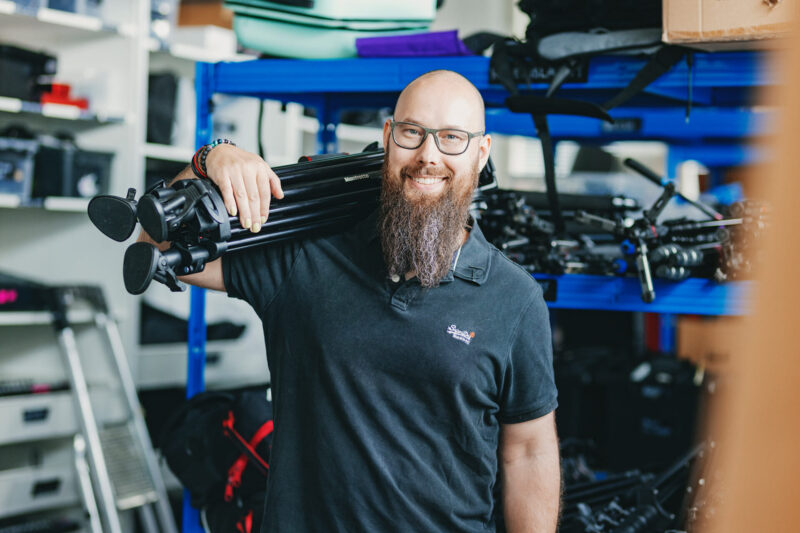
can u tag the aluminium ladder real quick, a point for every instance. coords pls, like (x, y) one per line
(123, 468)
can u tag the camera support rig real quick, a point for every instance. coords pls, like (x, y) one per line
(644, 230)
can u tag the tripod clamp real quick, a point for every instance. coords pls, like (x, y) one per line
(188, 211)
(144, 262)
(637, 233)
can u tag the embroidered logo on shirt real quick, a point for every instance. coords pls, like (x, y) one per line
(460, 334)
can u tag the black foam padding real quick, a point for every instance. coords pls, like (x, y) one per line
(139, 266)
(114, 216)
(541, 105)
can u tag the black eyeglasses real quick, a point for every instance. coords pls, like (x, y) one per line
(449, 141)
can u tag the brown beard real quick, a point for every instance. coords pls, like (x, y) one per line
(420, 234)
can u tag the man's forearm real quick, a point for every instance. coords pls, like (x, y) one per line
(532, 492)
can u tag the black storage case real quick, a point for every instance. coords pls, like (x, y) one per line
(162, 90)
(64, 170)
(21, 70)
(16, 167)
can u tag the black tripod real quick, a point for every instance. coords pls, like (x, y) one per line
(323, 195)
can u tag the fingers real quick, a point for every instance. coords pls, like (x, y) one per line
(226, 190)
(275, 183)
(264, 193)
(240, 194)
(246, 183)
(253, 221)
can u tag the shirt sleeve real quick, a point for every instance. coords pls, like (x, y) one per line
(528, 390)
(256, 275)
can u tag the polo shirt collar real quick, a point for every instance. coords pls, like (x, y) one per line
(473, 260)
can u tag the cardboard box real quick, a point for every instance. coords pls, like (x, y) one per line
(727, 24)
(204, 13)
(708, 342)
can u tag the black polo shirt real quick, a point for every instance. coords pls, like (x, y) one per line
(388, 397)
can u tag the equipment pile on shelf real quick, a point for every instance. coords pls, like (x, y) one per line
(628, 502)
(603, 237)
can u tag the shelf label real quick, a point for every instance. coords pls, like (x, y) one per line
(9, 200)
(66, 203)
(69, 112)
(65, 18)
(622, 125)
(11, 105)
(544, 72)
(7, 7)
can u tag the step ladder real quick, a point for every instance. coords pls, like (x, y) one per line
(123, 469)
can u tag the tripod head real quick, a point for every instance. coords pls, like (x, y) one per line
(190, 211)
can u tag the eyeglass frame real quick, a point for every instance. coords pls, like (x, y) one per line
(433, 131)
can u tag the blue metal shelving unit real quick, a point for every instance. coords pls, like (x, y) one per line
(695, 296)
(720, 116)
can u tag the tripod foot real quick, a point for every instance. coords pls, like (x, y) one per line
(144, 262)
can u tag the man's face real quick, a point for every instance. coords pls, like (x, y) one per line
(426, 194)
(425, 173)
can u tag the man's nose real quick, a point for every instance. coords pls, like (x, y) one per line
(428, 153)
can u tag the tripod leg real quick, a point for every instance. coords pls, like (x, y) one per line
(645, 276)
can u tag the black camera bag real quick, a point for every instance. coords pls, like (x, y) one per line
(217, 444)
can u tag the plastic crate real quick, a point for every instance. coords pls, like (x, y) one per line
(80, 7)
(16, 167)
(64, 170)
(28, 6)
(22, 70)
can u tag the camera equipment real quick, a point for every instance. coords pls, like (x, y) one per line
(629, 502)
(321, 195)
(639, 236)
(603, 237)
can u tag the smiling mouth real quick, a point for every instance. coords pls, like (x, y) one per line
(427, 180)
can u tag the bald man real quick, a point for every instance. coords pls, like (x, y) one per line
(410, 361)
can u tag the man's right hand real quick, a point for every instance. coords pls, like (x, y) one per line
(246, 182)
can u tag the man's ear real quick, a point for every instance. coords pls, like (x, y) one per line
(387, 133)
(484, 149)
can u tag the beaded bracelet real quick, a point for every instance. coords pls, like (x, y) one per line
(199, 158)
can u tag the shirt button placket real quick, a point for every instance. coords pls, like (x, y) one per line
(402, 296)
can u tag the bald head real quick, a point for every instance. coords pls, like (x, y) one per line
(445, 94)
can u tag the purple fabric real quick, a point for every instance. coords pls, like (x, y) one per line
(439, 43)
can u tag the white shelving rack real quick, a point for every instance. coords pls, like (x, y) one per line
(103, 58)
(107, 59)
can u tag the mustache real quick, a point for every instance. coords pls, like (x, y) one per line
(410, 171)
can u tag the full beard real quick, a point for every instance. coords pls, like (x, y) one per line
(420, 234)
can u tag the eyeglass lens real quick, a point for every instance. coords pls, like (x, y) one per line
(410, 136)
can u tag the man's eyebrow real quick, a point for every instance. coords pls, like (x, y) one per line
(445, 127)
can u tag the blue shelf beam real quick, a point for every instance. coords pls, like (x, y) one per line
(714, 155)
(721, 89)
(718, 78)
(694, 296)
(662, 124)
